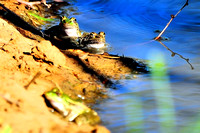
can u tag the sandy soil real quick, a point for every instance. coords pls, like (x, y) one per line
(29, 67)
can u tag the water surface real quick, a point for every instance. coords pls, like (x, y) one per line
(129, 26)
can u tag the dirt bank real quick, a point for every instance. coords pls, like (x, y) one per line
(77, 73)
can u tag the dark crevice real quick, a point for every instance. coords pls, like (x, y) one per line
(107, 82)
(42, 60)
(134, 65)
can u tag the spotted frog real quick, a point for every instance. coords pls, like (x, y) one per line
(67, 32)
(72, 110)
(68, 28)
(93, 40)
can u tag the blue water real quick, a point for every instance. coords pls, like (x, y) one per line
(129, 26)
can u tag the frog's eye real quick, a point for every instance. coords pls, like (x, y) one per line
(102, 33)
(93, 34)
(73, 20)
(55, 90)
(64, 20)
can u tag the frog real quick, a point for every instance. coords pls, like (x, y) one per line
(69, 28)
(67, 32)
(93, 40)
(70, 109)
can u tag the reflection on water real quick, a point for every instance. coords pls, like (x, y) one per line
(128, 26)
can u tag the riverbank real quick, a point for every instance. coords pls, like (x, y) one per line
(31, 65)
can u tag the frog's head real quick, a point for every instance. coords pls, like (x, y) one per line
(53, 94)
(56, 100)
(97, 38)
(94, 40)
(69, 27)
(68, 23)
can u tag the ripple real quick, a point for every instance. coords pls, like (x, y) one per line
(128, 23)
(152, 13)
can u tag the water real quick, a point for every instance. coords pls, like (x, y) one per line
(129, 26)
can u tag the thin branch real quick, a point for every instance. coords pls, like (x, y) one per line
(174, 53)
(172, 17)
(33, 79)
(8, 99)
(158, 38)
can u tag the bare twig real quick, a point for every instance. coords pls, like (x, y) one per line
(172, 17)
(8, 99)
(173, 54)
(33, 79)
(158, 38)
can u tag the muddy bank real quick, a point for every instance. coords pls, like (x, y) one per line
(76, 72)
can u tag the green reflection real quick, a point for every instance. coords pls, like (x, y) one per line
(164, 99)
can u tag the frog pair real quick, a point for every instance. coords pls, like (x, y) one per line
(68, 29)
